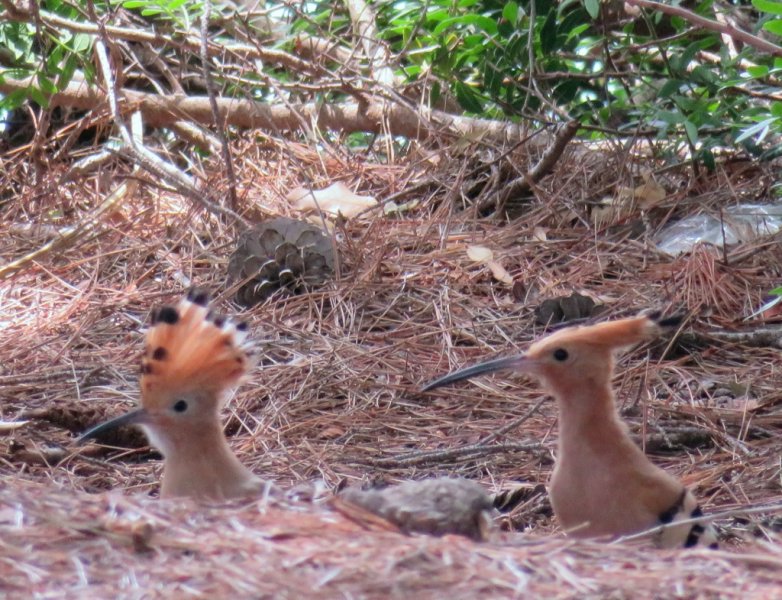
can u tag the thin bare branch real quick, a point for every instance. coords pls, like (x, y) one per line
(212, 94)
(722, 28)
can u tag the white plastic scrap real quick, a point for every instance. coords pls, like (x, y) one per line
(740, 223)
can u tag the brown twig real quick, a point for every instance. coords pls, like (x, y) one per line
(550, 157)
(143, 157)
(363, 17)
(440, 456)
(187, 41)
(513, 424)
(722, 28)
(212, 95)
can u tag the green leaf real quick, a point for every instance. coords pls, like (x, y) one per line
(692, 131)
(435, 16)
(758, 129)
(774, 26)
(517, 48)
(682, 61)
(577, 31)
(774, 8)
(670, 87)
(708, 159)
(672, 118)
(53, 61)
(548, 33)
(704, 76)
(593, 8)
(484, 23)
(46, 85)
(776, 291)
(566, 90)
(38, 97)
(757, 71)
(13, 100)
(67, 71)
(467, 98)
(18, 74)
(510, 12)
(492, 79)
(81, 42)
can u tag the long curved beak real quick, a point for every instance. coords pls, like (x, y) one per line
(135, 416)
(518, 362)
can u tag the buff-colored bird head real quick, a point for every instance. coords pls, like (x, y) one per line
(192, 357)
(571, 358)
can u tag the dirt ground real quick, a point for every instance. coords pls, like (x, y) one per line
(335, 397)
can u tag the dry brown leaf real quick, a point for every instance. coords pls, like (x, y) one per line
(626, 201)
(499, 272)
(480, 254)
(540, 234)
(649, 194)
(391, 208)
(337, 199)
(6, 426)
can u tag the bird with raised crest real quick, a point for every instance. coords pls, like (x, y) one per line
(191, 358)
(602, 484)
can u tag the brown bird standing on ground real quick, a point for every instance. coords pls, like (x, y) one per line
(191, 358)
(603, 484)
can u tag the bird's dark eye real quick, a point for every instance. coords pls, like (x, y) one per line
(180, 406)
(560, 354)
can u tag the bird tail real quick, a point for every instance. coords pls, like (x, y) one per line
(189, 349)
(688, 534)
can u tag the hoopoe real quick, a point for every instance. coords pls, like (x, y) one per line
(602, 484)
(191, 358)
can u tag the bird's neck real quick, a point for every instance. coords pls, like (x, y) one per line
(589, 423)
(200, 464)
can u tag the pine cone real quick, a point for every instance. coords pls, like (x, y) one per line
(280, 254)
(566, 308)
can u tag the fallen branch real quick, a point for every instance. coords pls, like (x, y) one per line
(163, 111)
(770, 337)
(683, 437)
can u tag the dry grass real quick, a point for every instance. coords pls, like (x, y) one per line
(336, 394)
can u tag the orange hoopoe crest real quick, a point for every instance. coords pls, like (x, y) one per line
(190, 350)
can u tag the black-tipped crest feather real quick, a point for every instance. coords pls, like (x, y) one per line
(165, 314)
(198, 296)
